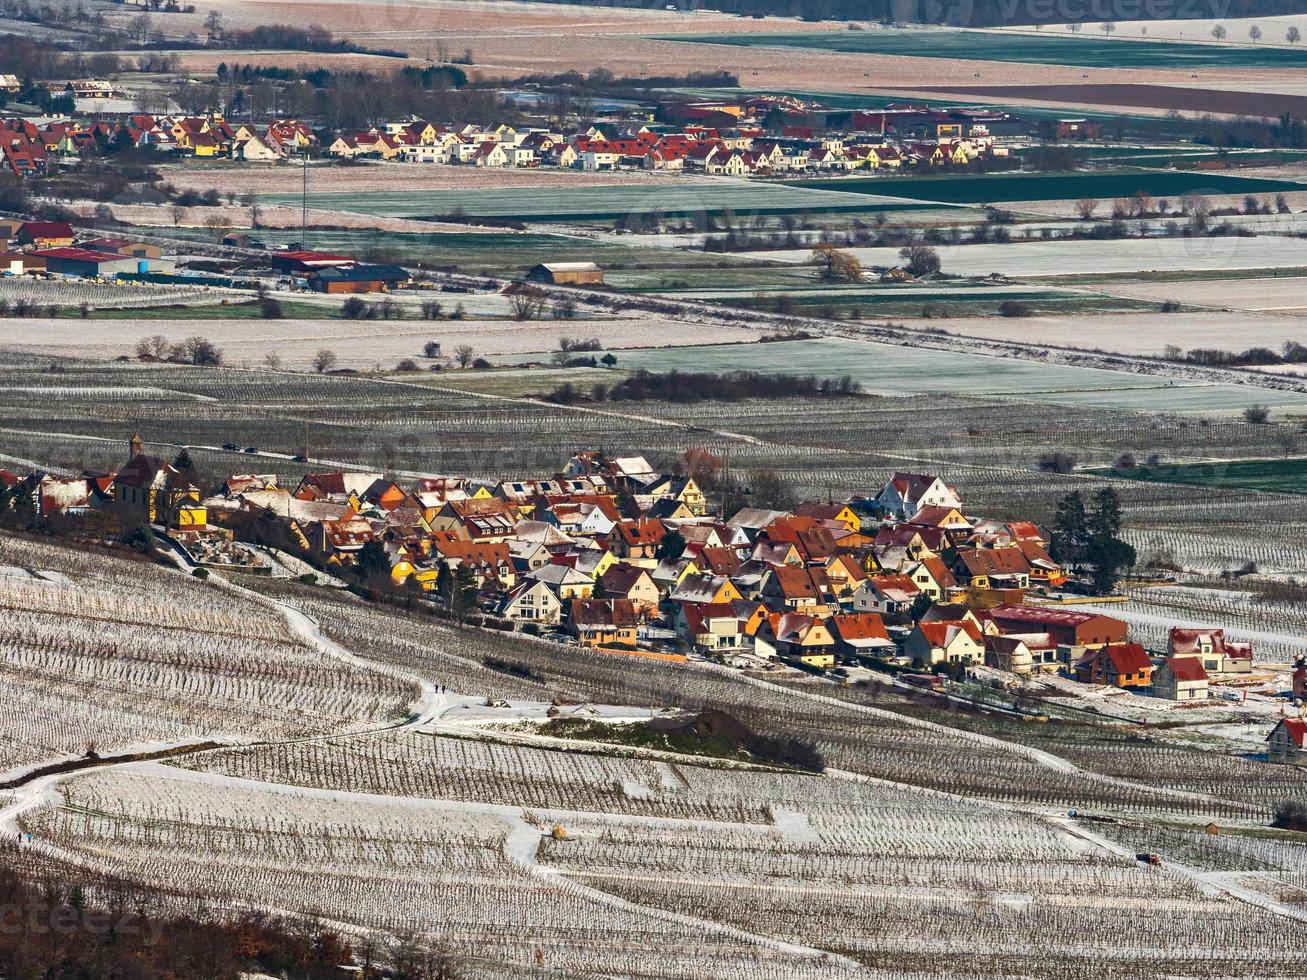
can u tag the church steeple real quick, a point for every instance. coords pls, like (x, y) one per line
(137, 447)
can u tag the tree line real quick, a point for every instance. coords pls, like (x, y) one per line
(704, 386)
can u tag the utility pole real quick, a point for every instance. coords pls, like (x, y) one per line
(306, 440)
(304, 202)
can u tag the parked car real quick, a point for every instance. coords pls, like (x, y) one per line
(299, 459)
(231, 447)
(251, 449)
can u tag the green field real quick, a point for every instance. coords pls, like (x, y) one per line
(487, 253)
(606, 203)
(1280, 475)
(1052, 49)
(979, 188)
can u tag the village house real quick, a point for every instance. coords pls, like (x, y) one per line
(945, 641)
(531, 601)
(1180, 679)
(146, 490)
(602, 622)
(1285, 744)
(905, 493)
(1124, 665)
(1217, 654)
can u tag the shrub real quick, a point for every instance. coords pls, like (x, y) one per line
(408, 364)
(1256, 414)
(269, 309)
(1057, 462)
(1012, 307)
(1291, 815)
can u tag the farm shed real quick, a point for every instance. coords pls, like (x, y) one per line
(305, 261)
(124, 246)
(45, 234)
(359, 279)
(565, 273)
(88, 263)
(13, 263)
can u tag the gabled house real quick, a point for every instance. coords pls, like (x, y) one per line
(945, 641)
(1217, 654)
(531, 601)
(706, 589)
(886, 595)
(622, 581)
(905, 493)
(806, 639)
(861, 634)
(1122, 665)
(1180, 679)
(1287, 743)
(602, 622)
(789, 588)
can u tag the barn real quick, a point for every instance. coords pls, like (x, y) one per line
(87, 263)
(301, 261)
(359, 279)
(566, 273)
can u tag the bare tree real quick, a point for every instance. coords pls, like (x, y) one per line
(1255, 33)
(1219, 32)
(464, 353)
(526, 302)
(178, 212)
(1293, 35)
(1086, 206)
(272, 360)
(324, 360)
(1107, 27)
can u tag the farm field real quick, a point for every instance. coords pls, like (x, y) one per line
(1085, 257)
(889, 370)
(1143, 334)
(365, 345)
(1216, 101)
(1254, 294)
(1275, 475)
(501, 252)
(911, 302)
(1036, 187)
(1047, 48)
(670, 196)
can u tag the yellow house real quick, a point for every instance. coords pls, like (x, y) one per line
(403, 570)
(150, 491)
(192, 517)
(806, 639)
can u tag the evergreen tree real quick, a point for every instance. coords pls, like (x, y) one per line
(671, 547)
(1070, 531)
(183, 463)
(1107, 554)
(373, 561)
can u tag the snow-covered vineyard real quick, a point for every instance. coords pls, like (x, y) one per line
(384, 798)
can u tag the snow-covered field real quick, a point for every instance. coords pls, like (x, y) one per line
(359, 344)
(1071, 258)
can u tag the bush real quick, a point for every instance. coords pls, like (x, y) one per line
(481, 364)
(408, 364)
(308, 578)
(1012, 307)
(1256, 414)
(1057, 462)
(354, 308)
(201, 573)
(1291, 815)
(270, 309)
